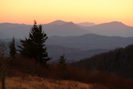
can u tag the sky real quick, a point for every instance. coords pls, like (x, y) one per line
(77, 11)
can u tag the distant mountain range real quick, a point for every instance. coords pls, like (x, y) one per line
(112, 29)
(90, 41)
(66, 29)
(18, 31)
(62, 28)
(86, 42)
(76, 41)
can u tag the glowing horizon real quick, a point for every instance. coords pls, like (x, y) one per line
(77, 11)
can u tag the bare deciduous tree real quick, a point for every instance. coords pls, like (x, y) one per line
(3, 63)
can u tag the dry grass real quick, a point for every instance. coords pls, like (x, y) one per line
(33, 82)
(23, 74)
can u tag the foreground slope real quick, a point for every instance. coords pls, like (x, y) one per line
(34, 82)
(27, 74)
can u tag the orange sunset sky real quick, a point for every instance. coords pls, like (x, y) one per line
(45, 11)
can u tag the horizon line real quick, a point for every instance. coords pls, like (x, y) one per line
(68, 22)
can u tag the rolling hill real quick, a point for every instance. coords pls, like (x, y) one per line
(71, 54)
(90, 41)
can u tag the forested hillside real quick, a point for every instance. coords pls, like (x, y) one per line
(117, 62)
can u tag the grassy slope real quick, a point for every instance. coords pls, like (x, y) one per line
(26, 74)
(33, 82)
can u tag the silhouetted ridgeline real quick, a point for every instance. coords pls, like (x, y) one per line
(118, 62)
(90, 41)
(62, 28)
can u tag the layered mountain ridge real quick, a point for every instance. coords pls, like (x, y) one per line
(62, 28)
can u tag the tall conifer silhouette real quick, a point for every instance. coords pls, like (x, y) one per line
(12, 52)
(34, 46)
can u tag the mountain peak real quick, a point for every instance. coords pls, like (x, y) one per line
(58, 22)
(116, 22)
(69, 24)
(113, 24)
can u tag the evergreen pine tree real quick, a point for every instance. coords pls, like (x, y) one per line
(62, 62)
(34, 46)
(12, 48)
(38, 38)
(25, 48)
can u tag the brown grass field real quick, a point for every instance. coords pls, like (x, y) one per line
(34, 82)
(27, 74)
